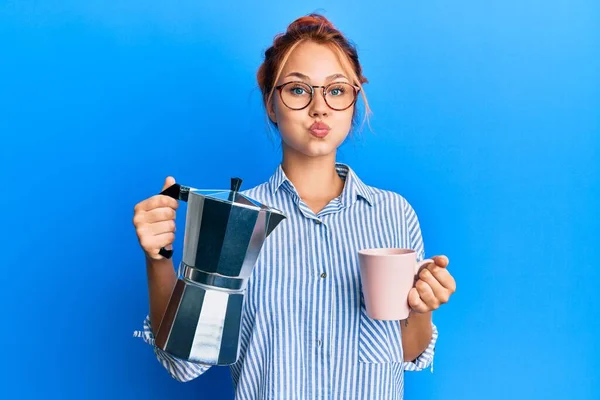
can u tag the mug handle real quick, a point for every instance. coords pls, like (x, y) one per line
(177, 192)
(420, 265)
(418, 268)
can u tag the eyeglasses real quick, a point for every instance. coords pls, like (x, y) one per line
(338, 96)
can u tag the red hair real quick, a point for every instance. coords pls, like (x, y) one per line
(315, 28)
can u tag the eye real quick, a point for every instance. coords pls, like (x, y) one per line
(298, 90)
(337, 90)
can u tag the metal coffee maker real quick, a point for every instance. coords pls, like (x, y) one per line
(224, 233)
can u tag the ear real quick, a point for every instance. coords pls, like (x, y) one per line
(271, 112)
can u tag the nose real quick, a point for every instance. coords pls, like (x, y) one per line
(318, 106)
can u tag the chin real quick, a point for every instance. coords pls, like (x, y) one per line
(310, 149)
(315, 147)
(318, 153)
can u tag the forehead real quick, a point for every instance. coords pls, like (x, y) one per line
(317, 61)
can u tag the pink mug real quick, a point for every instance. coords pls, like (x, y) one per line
(387, 275)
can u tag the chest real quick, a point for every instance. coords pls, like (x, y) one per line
(305, 258)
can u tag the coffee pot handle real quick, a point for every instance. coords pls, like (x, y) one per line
(177, 192)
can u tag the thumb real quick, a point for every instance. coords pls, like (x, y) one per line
(170, 181)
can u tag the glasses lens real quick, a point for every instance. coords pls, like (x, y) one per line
(296, 95)
(340, 96)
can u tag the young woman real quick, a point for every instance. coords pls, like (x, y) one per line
(305, 333)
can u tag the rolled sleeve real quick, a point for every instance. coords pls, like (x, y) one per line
(413, 227)
(181, 370)
(425, 360)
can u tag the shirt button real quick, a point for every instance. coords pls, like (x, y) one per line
(318, 222)
(319, 343)
(323, 275)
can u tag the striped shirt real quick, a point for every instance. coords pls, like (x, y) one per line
(305, 333)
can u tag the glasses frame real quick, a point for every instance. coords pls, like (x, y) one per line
(312, 94)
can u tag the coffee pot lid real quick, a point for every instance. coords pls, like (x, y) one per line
(232, 196)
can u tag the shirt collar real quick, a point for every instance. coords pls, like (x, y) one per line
(354, 188)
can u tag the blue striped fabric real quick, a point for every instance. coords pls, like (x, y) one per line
(305, 333)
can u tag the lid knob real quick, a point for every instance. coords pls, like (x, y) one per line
(236, 183)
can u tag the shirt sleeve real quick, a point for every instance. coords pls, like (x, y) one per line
(181, 370)
(414, 231)
(425, 360)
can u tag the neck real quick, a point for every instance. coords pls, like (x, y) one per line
(315, 178)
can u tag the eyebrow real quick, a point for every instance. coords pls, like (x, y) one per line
(302, 76)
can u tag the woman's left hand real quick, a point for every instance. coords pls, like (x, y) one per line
(433, 288)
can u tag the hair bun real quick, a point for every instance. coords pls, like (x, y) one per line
(308, 21)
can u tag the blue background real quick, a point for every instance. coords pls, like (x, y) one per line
(486, 118)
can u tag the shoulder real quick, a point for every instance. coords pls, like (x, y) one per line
(389, 198)
(379, 198)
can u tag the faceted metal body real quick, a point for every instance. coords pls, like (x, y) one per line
(224, 234)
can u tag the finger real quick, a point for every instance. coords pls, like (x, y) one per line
(159, 214)
(147, 231)
(164, 240)
(440, 292)
(170, 181)
(443, 276)
(153, 244)
(415, 302)
(441, 261)
(161, 227)
(426, 294)
(158, 201)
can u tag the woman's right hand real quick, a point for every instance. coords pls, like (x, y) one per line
(154, 221)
